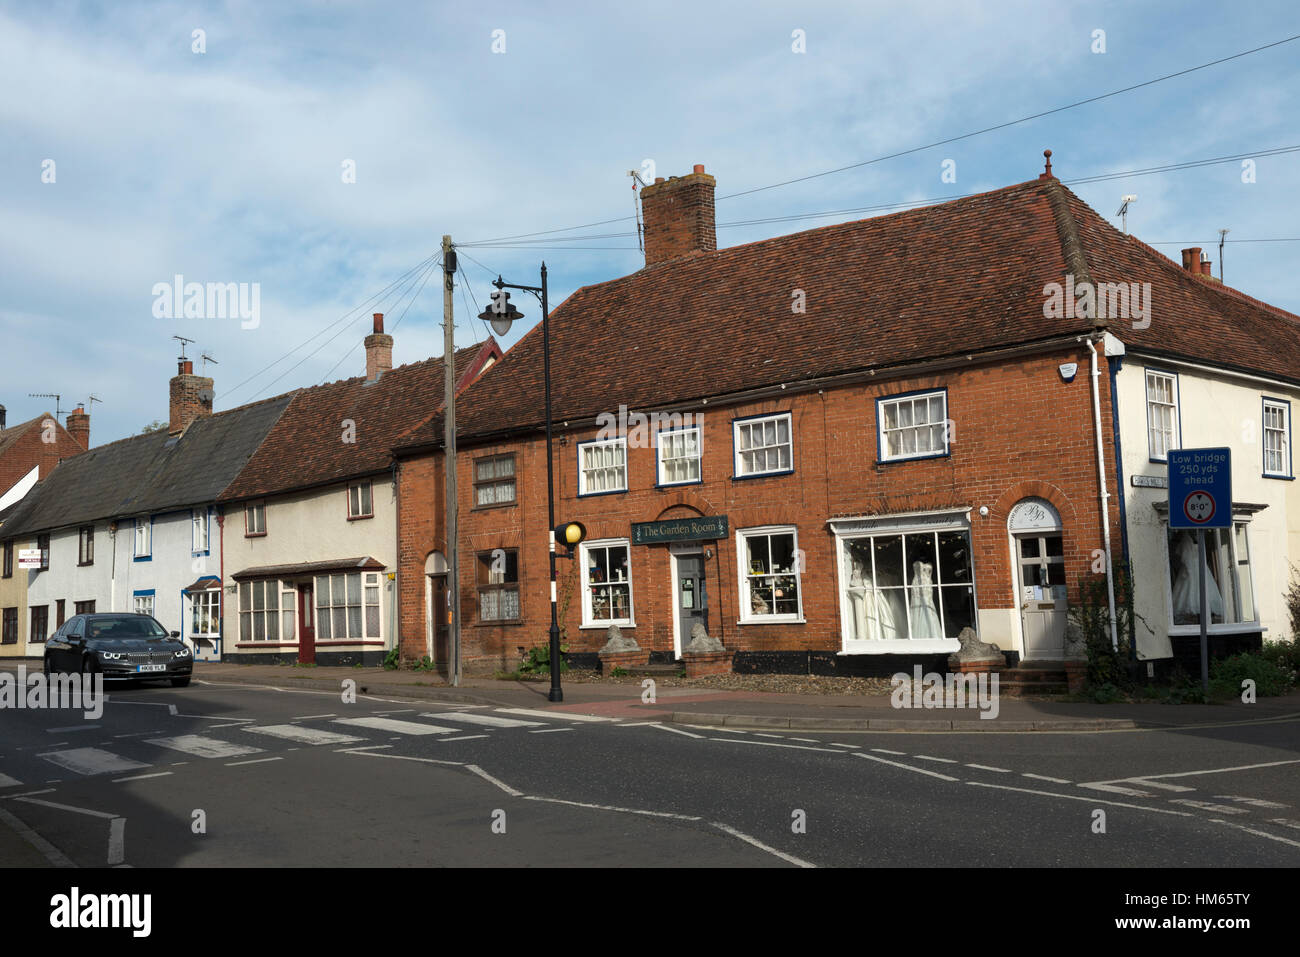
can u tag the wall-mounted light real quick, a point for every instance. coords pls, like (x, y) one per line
(984, 511)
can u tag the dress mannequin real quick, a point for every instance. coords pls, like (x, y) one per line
(862, 604)
(925, 617)
(1187, 583)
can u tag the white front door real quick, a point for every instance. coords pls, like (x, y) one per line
(690, 601)
(1040, 559)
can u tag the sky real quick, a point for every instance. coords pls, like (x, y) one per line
(318, 152)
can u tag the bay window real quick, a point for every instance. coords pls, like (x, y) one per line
(347, 606)
(266, 611)
(1229, 591)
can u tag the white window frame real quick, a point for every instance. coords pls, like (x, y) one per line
(588, 619)
(199, 531)
(911, 398)
(143, 530)
(287, 599)
(747, 616)
(661, 461)
(619, 442)
(143, 604)
(1174, 441)
(921, 523)
(1284, 407)
(364, 490)
(365, 581)
(209, 597)
(252, 509)
(1223, 627)
(738, 453)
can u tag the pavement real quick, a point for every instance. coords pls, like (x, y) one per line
(755, 709)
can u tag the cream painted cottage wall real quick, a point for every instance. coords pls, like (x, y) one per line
(307, 527)
(1215, 409)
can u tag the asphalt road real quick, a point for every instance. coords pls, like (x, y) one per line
(297, 778)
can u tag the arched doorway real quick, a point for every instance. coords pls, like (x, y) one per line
(1038, 557)
(436, 607)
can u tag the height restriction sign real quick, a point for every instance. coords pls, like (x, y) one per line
(1200, 488)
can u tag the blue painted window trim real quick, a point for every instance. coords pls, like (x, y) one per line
(880, 427)
(141, 592)
(627, 467)
(1178, 409)
(1263, 452)
(749, 418)
(134, 556)
(659, 483)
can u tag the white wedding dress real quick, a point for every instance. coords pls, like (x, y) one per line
(1187, 583)
(925, 617)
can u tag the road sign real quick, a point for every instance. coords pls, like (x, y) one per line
(1200, 488)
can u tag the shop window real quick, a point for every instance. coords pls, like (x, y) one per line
(606, 583)
(1230, 590)
(771, 566)
(347, 606)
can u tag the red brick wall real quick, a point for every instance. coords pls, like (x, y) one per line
(1019, 431)
(31, 450)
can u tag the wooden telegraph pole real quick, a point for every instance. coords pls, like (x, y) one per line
(449, 460)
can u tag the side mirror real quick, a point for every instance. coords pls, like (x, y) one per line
(175, 634)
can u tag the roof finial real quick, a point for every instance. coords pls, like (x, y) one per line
(1047, 173)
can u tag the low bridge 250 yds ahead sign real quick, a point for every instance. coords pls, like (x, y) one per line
(1200, 488)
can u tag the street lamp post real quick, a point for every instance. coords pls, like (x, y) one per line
(501, 314)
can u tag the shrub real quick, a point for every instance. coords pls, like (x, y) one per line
(538, 660)
(1227, 674)
(391, 660)
(1107, 666)
(1284, 654)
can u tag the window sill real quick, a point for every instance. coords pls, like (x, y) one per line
(1278, 476)
(898, 459)
(494, 622)
(897, 646)
(266, 644)
(1235, 628)
(335, 642)
(255, 534)
(664, 486)
(360, 518)
(616, 491)
(85, 564)
(142, 558)
(761, 475)
(774, 620)
(596, 625)
(488, 508)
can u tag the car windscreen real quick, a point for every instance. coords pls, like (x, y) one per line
(128, 626)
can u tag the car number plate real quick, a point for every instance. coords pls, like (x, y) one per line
(152, 668)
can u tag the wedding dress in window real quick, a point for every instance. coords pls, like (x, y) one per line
(925, 617)
(875, 613)
(1187, 583)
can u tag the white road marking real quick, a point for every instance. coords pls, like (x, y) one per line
(369, 747)
(664, 727)
(1208, 806)
(553, 715)
(138, 734)
(841, 744)
(1253, 802)
(303, 735)
(48, 850)
(487, 777)
(68, 807)
(926, 757)
(201, 747)
(393, 711)
(985, 767)
(465, 737)
(635, 724)
(788, 858)
(235, 764)
(610, 807)
(91, 761)
(905, 767)
(1188, 774)
(401, 757)
(807, 740)
(551, 730)
(1117, 789)
(1251, 830)
(723, 730)
(395, 726)
(12, 797)
(1161, 785)
(887, 751)
(309, 717)
(484, 719)
(761, 734)
(1043, 777)
(116, 841)
(75, 727)
(7, 782)
(1080, 797)
(1285, 823)
(141, 777)
(774, 744)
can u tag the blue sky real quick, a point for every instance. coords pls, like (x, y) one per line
(225, 166)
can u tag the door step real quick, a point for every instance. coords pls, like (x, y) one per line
(1040, 678)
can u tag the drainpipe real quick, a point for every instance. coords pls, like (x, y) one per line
(1104, 492)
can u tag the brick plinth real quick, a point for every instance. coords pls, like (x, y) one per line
(1076, 674)
(711, 663)
(609, 660)
(976, 665)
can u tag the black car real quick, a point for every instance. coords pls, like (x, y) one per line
(119, 646)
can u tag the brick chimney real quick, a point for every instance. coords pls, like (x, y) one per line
(379, 350)
(3, 415)
(191, 397)
(679, 216)
(79, 426)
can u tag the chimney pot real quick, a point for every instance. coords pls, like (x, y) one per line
(3, 415)
(679, 216)
(379, 322)
(1192, 259)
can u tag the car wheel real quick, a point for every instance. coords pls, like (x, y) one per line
(180, 682)
(89, 666)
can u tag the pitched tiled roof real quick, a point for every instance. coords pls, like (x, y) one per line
(928, 284)
(149, 473)
(307, 448)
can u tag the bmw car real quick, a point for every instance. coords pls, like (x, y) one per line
(120, 646)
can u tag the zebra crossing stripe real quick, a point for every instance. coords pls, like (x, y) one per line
(303, 735)
(1117, 789)
(203, 747)
(395, 726)
(490, 720)
(91, 761)
(553, 715)
(7, 782)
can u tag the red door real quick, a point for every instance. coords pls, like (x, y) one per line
(306, 626)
